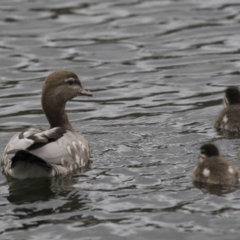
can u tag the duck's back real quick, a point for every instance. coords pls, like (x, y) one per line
(215, 170)
(229, 119)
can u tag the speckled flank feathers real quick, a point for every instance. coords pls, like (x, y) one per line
(213, 168)
(60, 150)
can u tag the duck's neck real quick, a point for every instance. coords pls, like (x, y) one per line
(56, 115)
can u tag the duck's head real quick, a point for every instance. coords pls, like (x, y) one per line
(62, 86)
(232, 96)
(208, 150)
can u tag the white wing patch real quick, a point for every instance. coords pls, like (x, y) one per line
(74, 144)
(69, 149)
(206, 172)
(77, 158)
(225, 119)
(230, 170)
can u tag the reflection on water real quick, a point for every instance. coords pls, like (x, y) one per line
(228, 134)
(157, 70)
(30, 191)
(33, 190)
(218, 190)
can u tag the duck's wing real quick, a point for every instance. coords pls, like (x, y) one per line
(32, 137)
(17, 149)
(228, 119)
(70, 149)
(54, 146)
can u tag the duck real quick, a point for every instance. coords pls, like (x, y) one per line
(229, 117)
(57, 151)
(212, 168)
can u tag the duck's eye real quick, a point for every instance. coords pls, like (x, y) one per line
(70, 81)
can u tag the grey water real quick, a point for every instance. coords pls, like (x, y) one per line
(157, 70)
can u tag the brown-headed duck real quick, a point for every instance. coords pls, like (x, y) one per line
(229, 117)
(60, 150)
(213, 168)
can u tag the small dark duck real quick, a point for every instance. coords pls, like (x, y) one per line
(212, 168)
(229, 117)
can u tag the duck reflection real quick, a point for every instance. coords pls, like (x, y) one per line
(227, 134)
(30, 190)
(41, 189)
(218, 190)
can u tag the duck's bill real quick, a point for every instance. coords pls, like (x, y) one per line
(86, 92)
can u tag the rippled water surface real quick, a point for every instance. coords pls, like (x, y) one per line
(157, 70)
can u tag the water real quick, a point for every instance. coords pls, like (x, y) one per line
(157, 70)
